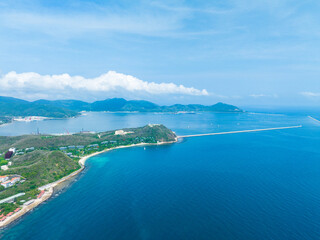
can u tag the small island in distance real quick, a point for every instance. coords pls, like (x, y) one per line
(33, 164)
(13, 107)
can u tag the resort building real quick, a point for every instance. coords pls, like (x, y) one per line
(7, 184)
(28, 203)
(41, 194)
(12, 150)
(9, 214)
(11, 182)
(15, 179)
(121, 132)
(3, 178)
(93, 145)
(4, 167)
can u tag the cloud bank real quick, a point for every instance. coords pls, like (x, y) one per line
(310, 94)
(33, 85)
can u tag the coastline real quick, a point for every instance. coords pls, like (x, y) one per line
(49, 188)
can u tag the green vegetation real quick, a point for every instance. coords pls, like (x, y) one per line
(8, 207)
(3, 161)
(43, 159)
(120, 104)
(16, 107)
(69, 108)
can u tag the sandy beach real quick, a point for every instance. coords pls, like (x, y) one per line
(49, 188)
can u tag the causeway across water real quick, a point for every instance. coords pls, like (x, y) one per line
(242, 131)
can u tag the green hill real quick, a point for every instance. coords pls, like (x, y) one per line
(17, 107)
(53, 157)
(12, 107)
(120, 104)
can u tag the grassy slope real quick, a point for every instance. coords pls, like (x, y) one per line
(46, 164)
(39, 168)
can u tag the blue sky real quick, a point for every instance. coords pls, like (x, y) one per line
(239, 52)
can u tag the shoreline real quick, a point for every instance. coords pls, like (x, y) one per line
(49, 188)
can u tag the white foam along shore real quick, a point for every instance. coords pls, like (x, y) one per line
(49, 188)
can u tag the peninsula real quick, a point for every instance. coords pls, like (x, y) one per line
(31, 165)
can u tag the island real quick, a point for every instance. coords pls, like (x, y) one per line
(32, 165)
(21, 110)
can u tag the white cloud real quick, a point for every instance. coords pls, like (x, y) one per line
(62, 25)
(310, 94)
(32, 84)
(260, 95)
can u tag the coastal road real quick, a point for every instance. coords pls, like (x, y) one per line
(242, 131)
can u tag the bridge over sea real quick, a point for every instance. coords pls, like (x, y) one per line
(241, 131)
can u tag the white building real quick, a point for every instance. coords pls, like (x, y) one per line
(15, 179)
(3, 178)
(4, 167)
(11, 182)
(12, 150)
(121, 132)
(7, 184)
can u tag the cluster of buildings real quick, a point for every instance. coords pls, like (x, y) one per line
(121, 132)
(8, 181)
(4, 217)
(11, 152)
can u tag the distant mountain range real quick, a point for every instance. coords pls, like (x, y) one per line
(68, 108)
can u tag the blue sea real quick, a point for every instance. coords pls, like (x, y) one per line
(258, 185)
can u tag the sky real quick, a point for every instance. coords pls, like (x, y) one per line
(246, 53)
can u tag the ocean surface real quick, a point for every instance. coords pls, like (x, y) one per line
(258, 185)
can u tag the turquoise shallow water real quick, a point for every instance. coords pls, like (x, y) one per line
(263, 185)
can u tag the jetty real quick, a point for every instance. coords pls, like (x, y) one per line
(314, 119)
(241, 131)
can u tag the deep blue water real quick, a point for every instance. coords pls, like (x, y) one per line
(263, 185)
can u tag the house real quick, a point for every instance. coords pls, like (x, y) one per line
(41, 194)
(93, 145)
(15, 179)
(80, 147)
(3, 178)
(63, 148)
(71, 147)
(8, 155)
(28, 203)
(9, 214)
(11, 182)
(4, 167)
(12, 150)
